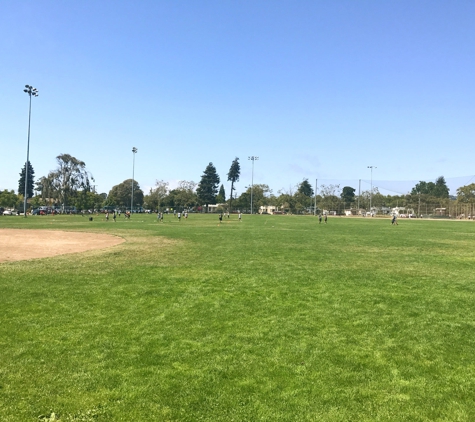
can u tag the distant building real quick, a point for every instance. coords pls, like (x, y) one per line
(267, 209)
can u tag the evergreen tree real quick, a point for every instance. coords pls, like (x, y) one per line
(208, 186)
(221, 195)
(21, 182)
(441, 190)
(233, 176)
(305, 188)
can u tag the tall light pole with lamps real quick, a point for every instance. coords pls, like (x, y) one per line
(252, 158)
(31, 92)
(371, 192)
(134, 151)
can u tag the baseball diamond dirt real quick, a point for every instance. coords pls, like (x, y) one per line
(19, 244)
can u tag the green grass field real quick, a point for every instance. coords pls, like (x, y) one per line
(276, 318)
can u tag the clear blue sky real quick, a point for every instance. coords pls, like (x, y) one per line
(316, 89)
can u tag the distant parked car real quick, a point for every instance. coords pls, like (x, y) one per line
(7, 212)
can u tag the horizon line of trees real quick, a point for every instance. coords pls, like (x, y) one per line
(70, 185)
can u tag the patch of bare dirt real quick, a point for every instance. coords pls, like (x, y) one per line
(18, 244)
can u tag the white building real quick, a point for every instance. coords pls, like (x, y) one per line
(267, 209)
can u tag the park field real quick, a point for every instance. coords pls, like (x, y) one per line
(275, 318)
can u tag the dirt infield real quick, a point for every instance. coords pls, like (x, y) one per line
(18, 244)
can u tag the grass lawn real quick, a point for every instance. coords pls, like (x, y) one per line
(276, 318)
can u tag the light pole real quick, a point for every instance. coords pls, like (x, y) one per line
(371, 192)
(316, 191)
(30, 91)
(252, 158)
(134, 151)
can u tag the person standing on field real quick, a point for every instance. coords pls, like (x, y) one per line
(319, 218)
(326, 218)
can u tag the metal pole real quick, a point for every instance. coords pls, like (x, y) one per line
(371, 192)
(359, 194)
(30, 91)
(27, 160)
(315, 208)
(134, 151)
(252, 158)
(252, 183)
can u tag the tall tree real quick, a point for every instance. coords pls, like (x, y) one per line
(154, 199)
(348, 194)
(70, 176)
(45, 185)
(21, 181)
(441, 189)
(438, 189)
(221, 195)
(208, 186)
(233, 177)
(121, 194)
(305, 188)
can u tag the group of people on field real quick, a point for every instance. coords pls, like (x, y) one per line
(220, 216)
(117, 214)
(178, 215)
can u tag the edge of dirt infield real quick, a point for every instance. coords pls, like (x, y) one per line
(24, 244)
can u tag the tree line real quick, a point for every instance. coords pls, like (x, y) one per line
(71, 185)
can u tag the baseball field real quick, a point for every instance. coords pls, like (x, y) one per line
(275, 318)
